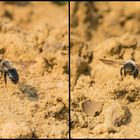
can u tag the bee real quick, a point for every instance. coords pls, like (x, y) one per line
(128, 67)
(6, 69)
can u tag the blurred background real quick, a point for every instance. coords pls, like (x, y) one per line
(103, 105)
(37, 107)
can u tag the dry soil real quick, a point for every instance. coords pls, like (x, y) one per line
(36, 107)
(109, 30)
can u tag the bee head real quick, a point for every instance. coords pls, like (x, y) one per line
(129, 67)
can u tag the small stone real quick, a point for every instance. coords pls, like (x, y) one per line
(91, 107)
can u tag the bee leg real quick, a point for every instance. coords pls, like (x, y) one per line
(1, 75)
(121, 70)
(135, 73)
(5, 78)
(124, 73)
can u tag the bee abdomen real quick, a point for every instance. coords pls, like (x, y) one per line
(13, 75)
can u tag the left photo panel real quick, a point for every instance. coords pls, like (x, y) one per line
(34, 69)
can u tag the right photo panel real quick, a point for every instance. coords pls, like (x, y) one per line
(104, 69)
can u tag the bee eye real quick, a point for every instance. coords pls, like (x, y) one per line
(3, 64)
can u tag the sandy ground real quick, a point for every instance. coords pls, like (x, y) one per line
(37, 107)
(109, 30)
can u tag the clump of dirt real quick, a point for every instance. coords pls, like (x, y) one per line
(37, 107)
(81, 57)
(109, 30)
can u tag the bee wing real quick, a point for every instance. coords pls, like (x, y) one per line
(24, 64)
(112, 62)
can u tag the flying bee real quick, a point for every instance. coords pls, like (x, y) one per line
(7, 69)
(128, 67)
